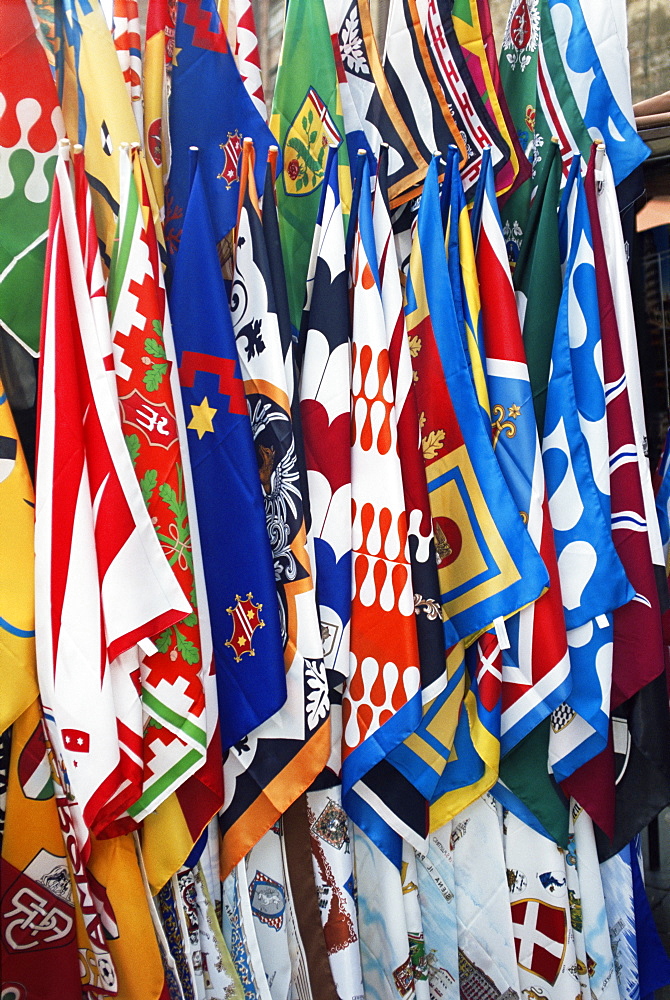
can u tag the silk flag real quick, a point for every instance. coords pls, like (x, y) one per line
(173, 694)
(536, 666)
(93, 569)
(306, 120)
(540, 99)
(469, 33)
(324, 410)
(479, 559)
(242, 597)
(383, 629)
(490, 47)
(28, 144)
(17, 602)
(210, 109)
(576, 461)
(470, 114)
(98, 116)
(267, 771)
(376, 108)
(414, 84)
(607, 117)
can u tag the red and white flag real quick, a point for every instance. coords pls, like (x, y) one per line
(103, 584)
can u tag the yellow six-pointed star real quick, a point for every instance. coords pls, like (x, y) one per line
(202, 418)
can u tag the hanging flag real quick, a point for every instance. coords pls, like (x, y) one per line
(306, 120)
(469, 33)
(535, 677)
(17, 602)
(96, 106)
(28, 147)
(617, 879)
(92, 559)
(383, 628)
(663, 498)
(37, 912)
(575, 452)
(606, 117)
(324, 409)
(173, 695)
(414, 84)
(210, 109)
(540, 97)
(268, 769)
(486, 25)
(461, 468)
(469, 111)
(126, 35)
(537, 279)
(246, 54)
(616, 253)
(241, 591)
(158, 52)
(377, 111)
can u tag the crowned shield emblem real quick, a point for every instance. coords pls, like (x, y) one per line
(246, 619)
(232, 150)
(307, 140)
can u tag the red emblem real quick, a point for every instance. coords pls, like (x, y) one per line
(155, 420)
(448, 541)
(232, 150)
(521, 28)
(76, 740)
(540, 937)
(155, 142)
(246, 619)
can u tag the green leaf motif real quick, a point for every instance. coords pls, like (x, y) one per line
(151, 346)
(163, 641)
(133, 446)
(153, 377)
(188, 650)
(190, 620)
(158, 328)
(148, 485)
(168, 496)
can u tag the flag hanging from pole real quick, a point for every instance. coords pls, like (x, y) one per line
(275, 762)
(95, 548)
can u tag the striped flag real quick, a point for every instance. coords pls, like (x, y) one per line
(95, 548)
(412, 79)
(126, 35)
(246, 53)
(470, 113)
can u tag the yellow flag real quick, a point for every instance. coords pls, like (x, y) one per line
(17, 603)
(97, 108)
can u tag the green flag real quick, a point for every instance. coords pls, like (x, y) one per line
(306, 119)
(541, 103)
(537, 279)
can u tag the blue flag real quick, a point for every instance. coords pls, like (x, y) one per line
(575, 453)
(210, 109)
(239, 573)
